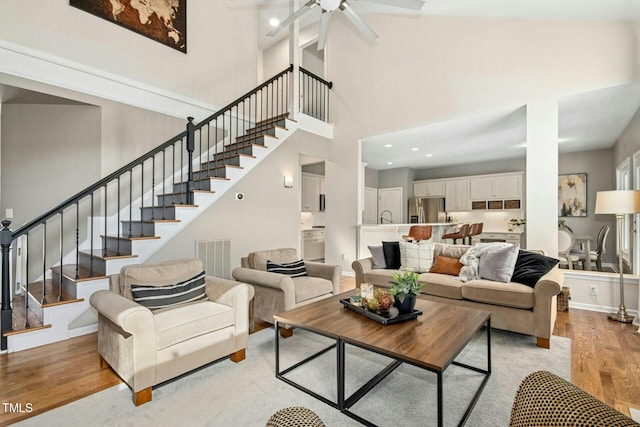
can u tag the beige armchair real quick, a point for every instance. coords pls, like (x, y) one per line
(276, 292)
(147, 347)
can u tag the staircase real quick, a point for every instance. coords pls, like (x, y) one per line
(129, 215)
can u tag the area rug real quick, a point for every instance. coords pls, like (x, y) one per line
(247, 393)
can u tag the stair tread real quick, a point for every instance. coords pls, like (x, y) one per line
(256, 136)
(18, 318)
(175, 205)
(53, 291)
(230, 156)
(238, 146)
(99, 253)
(132, 238)
(185, 192)
(139, 221)
(84, 274)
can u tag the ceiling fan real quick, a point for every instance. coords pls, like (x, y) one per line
(330, 6)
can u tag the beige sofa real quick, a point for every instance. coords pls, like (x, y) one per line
(514, 307)
(146, 347)
(277, 292)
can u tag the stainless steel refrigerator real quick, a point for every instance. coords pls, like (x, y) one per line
(426, 209)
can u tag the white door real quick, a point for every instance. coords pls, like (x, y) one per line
(390, 203)
(370, 212)
(623, 182)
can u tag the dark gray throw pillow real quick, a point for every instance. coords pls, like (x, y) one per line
(156, 297)
(293, 269)
(391, 255)
(377, 254)
(498, 263)
(530, 267)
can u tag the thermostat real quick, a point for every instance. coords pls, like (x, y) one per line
(239, 196)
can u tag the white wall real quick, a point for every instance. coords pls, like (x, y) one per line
(430, 69)
(41, 144)
(269, 215)
(221, 43)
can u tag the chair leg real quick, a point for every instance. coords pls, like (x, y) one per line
(103, 364)
(142, 397)
(286, 333)
(543, 342)
(252, 321)
(238, 356)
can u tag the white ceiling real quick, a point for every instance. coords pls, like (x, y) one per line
(586, 121)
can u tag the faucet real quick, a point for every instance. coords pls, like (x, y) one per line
(383, 219)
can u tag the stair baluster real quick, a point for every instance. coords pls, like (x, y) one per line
(6, 311)
(61, 255)
(90, 238)
(164, 190)
(117, 224)
(77, 238)
(104, 245)
(190, 148)
(131, 202)
(44, 264)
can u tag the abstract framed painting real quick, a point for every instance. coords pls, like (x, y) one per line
(572, 194)
(164, 21)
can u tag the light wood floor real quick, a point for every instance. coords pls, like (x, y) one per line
(605, 359)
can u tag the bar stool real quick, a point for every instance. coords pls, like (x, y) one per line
(475, 230)
(419, 232)
(462, 233)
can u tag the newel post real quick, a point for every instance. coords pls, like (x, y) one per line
(190, 148)
(6, 236)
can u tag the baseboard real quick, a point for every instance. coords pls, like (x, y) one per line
(599, 308)
(77, 332)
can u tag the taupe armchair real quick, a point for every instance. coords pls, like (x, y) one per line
(146, 347)
(276, 292)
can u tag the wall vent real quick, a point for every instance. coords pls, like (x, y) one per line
(216, 257)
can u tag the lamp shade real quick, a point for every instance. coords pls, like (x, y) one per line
(618, 202)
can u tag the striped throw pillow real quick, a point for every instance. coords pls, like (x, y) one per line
(156, 297)
(293, 269)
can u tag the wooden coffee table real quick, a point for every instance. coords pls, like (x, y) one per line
(442, 331)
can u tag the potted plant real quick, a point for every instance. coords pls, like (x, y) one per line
(404, 289)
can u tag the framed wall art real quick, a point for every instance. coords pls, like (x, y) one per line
(572, 194)
(163, 21)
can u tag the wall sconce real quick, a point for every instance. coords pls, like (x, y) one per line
(288, 181)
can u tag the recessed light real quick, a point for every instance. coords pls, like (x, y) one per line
(429, 155)
(389, 163)
(414, 149)
(388, 145)
(274, 22)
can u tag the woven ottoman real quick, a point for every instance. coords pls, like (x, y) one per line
(295, 416)
(544, 399)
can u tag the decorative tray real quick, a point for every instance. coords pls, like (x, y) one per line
(385, 320)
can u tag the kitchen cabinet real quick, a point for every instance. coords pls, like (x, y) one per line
(370, 213)
(509, 237)
(429, 188)
(457, 195)
(313, 242)
(496, 187)
(310, 198)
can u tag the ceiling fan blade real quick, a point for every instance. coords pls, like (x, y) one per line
(405, 4)
(325, 20)
(358, 22)
(298, 13)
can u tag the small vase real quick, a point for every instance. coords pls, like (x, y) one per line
(407, 305)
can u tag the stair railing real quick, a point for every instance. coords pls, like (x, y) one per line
(184, 164)
(314, 95)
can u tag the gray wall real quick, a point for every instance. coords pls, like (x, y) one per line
(600, 170)
(315, 168)
(371, 178)
(498, 166)
(49, 153)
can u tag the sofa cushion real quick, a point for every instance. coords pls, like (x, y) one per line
(391, 252)
(451, 251)
(162, 274)
(156, 297)
(497, 263)
(311, 287)
(497, 293)
(416, 256)
(180, 323)
(258, 260)
(293, 269)
(377, 255)
(530, 267)
(446, 265)
(382, 277)
(441, 285)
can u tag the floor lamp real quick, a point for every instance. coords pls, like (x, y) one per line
(619, 203)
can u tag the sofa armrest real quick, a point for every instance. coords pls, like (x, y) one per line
(233, 294)
(360, 267)
(545, 305)
(326, 271)
(264, 278)
(130, 316)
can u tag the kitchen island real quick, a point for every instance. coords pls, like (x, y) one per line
(374, 234)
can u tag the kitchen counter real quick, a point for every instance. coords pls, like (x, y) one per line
(374, 234)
